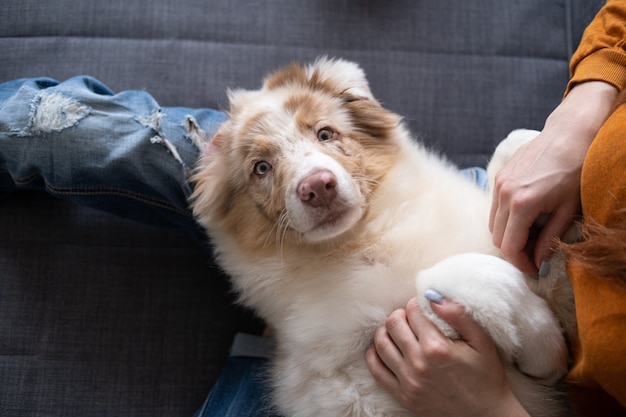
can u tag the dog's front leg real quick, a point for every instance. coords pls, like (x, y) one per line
(496, 295)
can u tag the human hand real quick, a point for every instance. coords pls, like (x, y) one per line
(543, 178)
(435, 376)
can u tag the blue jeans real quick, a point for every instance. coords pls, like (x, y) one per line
(125, 154)
(120, 153)
(242, 389)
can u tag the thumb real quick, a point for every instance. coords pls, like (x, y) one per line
(468, 329)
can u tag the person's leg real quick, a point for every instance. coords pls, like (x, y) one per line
(121, 153)
(597, 276)
(243, 387)
(603, 180)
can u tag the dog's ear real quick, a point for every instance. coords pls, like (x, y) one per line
(214, 147)
(237, 99)
(292, 74)
(336, 76)
(340, 77)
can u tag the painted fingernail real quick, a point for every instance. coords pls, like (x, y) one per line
(544, 269)
(434, 296)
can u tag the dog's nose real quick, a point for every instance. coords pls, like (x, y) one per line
(318, 189)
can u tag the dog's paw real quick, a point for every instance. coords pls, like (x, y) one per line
(505, 150)
(497, 297)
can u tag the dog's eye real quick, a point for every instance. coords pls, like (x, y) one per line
(325, 134)
(262, 168)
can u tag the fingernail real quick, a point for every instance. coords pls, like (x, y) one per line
(434, 296)
(544, 269)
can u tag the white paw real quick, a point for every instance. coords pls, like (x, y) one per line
(496, 295)
(505, 150)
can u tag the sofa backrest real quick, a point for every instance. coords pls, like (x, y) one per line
(462, 73)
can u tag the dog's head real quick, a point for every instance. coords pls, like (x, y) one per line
(298, 160)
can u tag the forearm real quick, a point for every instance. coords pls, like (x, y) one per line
(582, 112)
(573, 125)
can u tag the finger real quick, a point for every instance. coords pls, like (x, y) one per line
(379, 370)
(419, 323)
(387, 350)
(401, 333)
(520, 257)
(495, 204)
(501, 197)
(515, 241)
(523, 261)
(501, 218)
(557, 225)
(468, 329)
(499, 214)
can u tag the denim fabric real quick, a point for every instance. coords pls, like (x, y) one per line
(121, 153)
(242, 389)
(477, 175)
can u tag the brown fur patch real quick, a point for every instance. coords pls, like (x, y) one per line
(305, 108)
(296, 75)
(602, 250)
(292, 74)
(375, 127)
(318, 82)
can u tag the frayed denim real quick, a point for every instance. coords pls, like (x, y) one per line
(121, 153)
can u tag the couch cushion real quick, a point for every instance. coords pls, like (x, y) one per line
(463, 73)
(104, 316)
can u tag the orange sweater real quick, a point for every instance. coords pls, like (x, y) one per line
(601, 55)
(598, 375)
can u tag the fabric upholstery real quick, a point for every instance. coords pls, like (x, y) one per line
(441, 64)
(103, 316)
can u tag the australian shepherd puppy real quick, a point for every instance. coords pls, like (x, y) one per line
(328, 216)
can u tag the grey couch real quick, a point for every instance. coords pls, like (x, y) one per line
(104, 316)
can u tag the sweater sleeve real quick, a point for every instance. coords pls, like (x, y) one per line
(601, 55)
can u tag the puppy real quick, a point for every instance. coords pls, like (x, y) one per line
(324, 211)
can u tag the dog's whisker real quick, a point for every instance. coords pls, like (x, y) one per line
(272, 231)
(275, 230)
(366, 179)
(283, 226)
(363, 177)
(269, 234)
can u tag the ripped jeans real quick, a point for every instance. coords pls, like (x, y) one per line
(121, 153)
(124, 154)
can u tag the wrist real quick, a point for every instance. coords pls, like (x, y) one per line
(582, 112)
